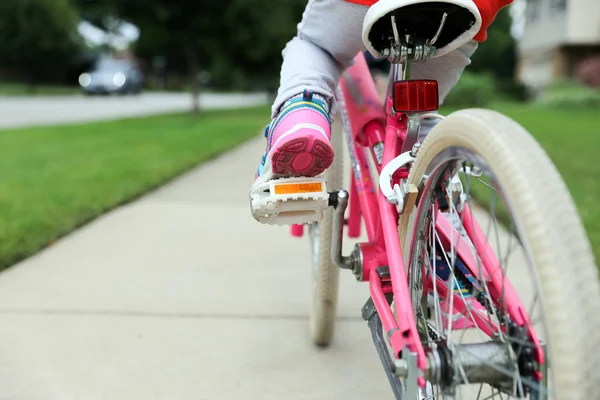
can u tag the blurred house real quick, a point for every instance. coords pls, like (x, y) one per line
(559, 37)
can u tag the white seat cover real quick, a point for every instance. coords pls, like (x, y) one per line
(383, 7)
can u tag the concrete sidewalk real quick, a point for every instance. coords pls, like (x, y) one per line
(181, 295)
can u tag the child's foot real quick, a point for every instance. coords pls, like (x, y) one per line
(298, 141)
(298, 149)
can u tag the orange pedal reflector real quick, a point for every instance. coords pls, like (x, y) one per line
(290, 188)
(288, 201)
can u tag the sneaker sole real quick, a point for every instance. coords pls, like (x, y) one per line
(306, 156)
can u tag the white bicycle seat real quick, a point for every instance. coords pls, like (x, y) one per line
(421, 18)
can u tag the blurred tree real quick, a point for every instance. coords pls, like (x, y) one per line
(239, 42)
(497, 54)
(256, 38)
(96, 12)
(38, 38)
(182, 30)
(102, 14)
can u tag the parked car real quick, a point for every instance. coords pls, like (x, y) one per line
(112, 76)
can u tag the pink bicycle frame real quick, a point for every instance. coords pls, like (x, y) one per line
(369, 129)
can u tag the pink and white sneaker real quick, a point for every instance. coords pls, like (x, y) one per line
(298, 140)
(298, 149)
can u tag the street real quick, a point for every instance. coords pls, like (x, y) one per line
(45, 110)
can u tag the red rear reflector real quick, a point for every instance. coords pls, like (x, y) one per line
(415, 96)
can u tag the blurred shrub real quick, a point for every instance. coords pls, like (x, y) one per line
(588, 71)
(472, 90)
(570, 95)
(512, 90)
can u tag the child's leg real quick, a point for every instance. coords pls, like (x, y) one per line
(446, 69)
(329, 37)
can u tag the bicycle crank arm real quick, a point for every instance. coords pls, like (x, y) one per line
(354, 262)
(339, 202)
(369, 314)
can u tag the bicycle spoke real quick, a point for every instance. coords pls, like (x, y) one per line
(437, 254)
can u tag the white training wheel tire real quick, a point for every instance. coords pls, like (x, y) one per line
(325, 274)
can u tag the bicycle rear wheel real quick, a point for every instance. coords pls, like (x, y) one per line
(325, 274)
(482, 147)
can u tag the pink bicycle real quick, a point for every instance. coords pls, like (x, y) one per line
(448, 317)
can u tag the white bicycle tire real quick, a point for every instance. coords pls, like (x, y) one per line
(552, 228)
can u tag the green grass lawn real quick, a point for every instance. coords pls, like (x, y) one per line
(54, 179)
(572, 140)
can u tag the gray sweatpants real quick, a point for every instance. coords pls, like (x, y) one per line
(330, 36)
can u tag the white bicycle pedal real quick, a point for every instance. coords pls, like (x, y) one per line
(289, 201)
